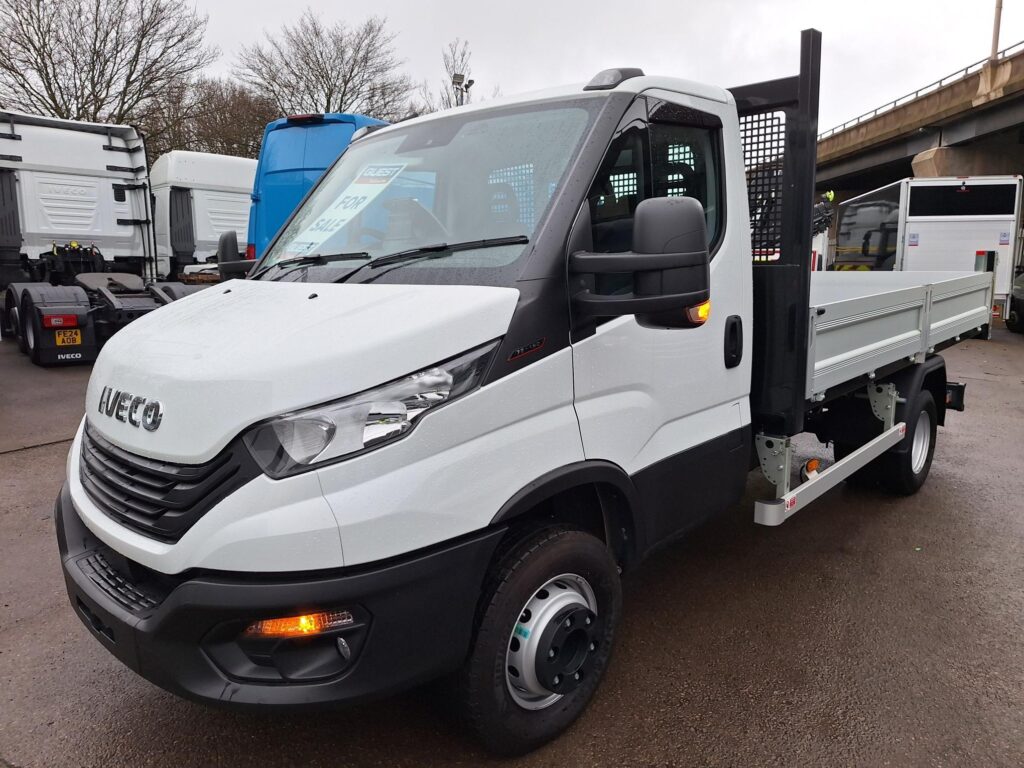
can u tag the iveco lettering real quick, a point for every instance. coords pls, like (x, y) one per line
(498, 355)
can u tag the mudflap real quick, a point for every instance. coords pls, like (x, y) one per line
(63, 328)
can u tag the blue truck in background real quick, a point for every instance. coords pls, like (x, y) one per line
(296, 150)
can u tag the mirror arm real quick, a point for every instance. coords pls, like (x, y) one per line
(239, 267)
(585, 263)
(596, 305)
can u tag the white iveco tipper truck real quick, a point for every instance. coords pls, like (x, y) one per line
(497, 356)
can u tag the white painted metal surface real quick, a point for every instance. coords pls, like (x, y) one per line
(220, 187)
(229, 356)
(862, 321)
(66, 172)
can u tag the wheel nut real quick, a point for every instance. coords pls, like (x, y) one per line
(588, 621)
(557, 680)
(568, 622)
(593, 646)
(577, 676)
(551, 653)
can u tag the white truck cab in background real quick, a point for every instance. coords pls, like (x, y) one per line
(198, 197)
(929, 224)
(498, 355)
(78, 260)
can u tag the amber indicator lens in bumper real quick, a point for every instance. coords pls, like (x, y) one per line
(299, 626)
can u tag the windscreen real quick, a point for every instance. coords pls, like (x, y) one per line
(479, 176)
(867, 231)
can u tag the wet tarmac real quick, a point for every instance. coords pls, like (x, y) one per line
(867, 630)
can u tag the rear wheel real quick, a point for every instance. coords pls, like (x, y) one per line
(31, 330)
(543, 639)
(904, 473)
(1014, 321)
(18, 323)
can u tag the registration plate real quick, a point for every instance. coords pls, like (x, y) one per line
(69, 337)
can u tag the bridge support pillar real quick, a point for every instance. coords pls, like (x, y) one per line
(997, 156)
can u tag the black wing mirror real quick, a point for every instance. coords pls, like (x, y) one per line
(228, 262)
(669, 263)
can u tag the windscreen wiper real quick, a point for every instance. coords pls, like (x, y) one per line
(311, 258)
(434, 251)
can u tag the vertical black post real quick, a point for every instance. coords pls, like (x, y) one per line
(798, 175)
(778, 124)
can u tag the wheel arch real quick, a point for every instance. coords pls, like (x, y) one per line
(596, 495)
(930, 376)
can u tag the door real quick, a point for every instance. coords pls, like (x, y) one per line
(182, 230)
(10, 222)
(670, 405)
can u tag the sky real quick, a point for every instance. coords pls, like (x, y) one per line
(873, 51)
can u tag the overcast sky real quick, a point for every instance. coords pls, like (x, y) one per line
(872, 51)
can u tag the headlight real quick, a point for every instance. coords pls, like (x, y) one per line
(333, 431)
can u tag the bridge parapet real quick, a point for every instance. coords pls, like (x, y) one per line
(978, 85)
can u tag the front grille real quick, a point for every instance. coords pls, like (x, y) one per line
(158, 498)
(104, 575)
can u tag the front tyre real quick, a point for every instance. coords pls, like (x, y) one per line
(543, 639)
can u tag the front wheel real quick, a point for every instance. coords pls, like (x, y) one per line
(543, 639)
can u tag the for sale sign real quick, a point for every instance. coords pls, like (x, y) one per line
(363, 190)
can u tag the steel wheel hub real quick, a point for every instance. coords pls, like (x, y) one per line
(551, 649)
(922, 441)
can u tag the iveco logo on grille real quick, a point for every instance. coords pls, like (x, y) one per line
(132, 409)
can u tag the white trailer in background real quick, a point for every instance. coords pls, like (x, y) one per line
(198, 196)
(939, 224)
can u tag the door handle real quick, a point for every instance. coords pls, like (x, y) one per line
(733, 341)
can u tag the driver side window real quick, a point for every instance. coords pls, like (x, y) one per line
(657, 159)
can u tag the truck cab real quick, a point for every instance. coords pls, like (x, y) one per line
(294, 154)
(496, 357)
(197, 197)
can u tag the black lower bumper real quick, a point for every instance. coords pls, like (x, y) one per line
(412, 621)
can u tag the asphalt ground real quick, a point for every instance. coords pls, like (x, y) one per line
(866, 631)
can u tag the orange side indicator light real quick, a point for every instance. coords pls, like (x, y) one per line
(699, 314)
(298, 626)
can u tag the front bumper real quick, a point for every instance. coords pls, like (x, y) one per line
(413, 621)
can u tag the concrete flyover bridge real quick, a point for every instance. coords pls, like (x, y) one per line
(970, 122)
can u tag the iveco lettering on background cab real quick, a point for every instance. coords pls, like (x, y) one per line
(497, 356)
(295, 152)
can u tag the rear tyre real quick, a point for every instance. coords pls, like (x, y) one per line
(17, 322)
(32, 330)
(904, 473)
(1014, 321)
(543, 639)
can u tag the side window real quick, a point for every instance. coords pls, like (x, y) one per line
(685, 163)
(659, 159)
(618, 189)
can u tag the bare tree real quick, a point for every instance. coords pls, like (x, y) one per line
(232, 119)
(316, 67)
(456, 58)
(99, 60)
(208, 115)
